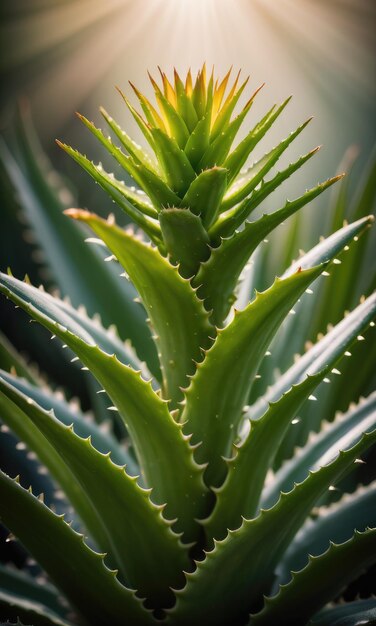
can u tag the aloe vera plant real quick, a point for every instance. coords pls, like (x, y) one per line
(181, 522)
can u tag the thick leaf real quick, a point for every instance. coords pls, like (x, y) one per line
(246, 184)
(219, 275)
(96, 285)
(230, 579)
(321, 580)
(145, 549)
(172, 119)
(205, 194)
(173, 161)
(348, 614)
(222, 120)
(335, 523)
(220, 386)
(72, 565)
(139, 155)
(117, 192)
(315, 357)
(239, 495)
(146, 415)
(228, 222)
(345, 429)
(184, 104)
(15, 418)
(238, 157)
(13, 607)
(186, 240)
(22, 586)
(198, 142)
(218, 150)
(157, 190)
(247, 470)
(178, 317)
(10, 359)
(69, 414)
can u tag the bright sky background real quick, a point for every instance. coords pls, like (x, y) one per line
(68, 55)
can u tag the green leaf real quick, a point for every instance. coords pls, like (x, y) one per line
(116, 191)
(246, 184)
(186, 240)
(315, 358)
(228, 222)
(335, 523)
(205, 194)
(238, 157)
(321, 580)
(239, 495)
(146, 415)
(342, 430)
(157, 190)
(247, 470)
(347, 614)
(149, 555)
(96, 285)
(72, 565)
(10, 359)
(226, 584)
(198, 141)
(22, 586)
(218, 150)
(223, 118)
(184, 104)
(228, 260)
(84, 426)
(13, 607)
(173, 161)
(173, 120)
(139, 155)
(15, 418)
(267, 187)
(178, 317)
(220, 386)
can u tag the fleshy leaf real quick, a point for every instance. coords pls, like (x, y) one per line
(226, 584)
(315, 357)
(72, 565)
(186, 240)
(146, 415)
(349, 428)
(137, 536)
(323, 578)
(205, 194)
(335, 523)
(247, 183)
(216, 395)
(238, 157)
(228, 260)
(247, 470)
(228, 222)
(173, 161)
(177, 316)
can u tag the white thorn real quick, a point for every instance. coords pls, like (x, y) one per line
(112, 408)
(309, 291)
(295, 421)
(347, 353)
(360, 461)
(335, 371)
(326, 380)
(337, 262)
(312, 398)
(360, 338)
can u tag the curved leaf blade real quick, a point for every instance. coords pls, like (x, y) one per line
(137, 534)
(72, 565)
(178, 317)
(321, 580)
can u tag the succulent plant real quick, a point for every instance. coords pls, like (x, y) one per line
(201, 511)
